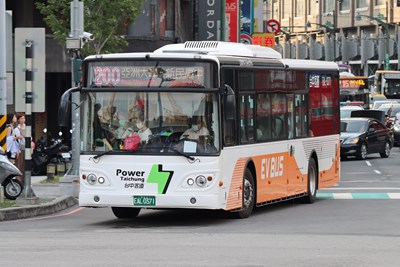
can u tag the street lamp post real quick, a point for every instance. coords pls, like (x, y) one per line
(331, 27)
(379, 18)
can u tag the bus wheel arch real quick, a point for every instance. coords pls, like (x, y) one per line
(248, 191)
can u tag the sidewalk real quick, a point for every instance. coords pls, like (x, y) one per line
(49, 199)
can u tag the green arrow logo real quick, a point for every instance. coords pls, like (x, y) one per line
(160, 177)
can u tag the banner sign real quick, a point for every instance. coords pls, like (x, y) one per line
(209, 20)
(264, 39)
(246, 21)
(232, 20)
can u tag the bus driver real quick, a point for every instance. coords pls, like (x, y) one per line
(198, 129)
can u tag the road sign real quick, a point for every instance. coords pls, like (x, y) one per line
(273, 26)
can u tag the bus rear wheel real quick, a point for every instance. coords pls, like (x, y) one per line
(311, 183)
(125, 213)
(249, 196)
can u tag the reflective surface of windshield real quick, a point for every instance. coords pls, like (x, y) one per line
(353, 126)
(151, 122)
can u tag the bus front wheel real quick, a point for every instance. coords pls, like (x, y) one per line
(125, 213)
(249, 196)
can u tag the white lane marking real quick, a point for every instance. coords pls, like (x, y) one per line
(368, 163)
(378, 172)
(394, 195)
(342, 196)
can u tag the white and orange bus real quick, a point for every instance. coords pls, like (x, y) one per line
(270, 128)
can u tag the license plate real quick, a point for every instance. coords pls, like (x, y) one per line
(144, 200)
(66, 155)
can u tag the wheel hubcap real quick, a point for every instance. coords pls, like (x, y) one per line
(312, 181)
(363, 151)
(248, 193)
(13, 189)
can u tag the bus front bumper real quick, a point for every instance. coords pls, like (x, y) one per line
(195, 201)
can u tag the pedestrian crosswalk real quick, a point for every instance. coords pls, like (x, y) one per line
(324, 195)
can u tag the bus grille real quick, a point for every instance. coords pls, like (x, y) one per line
(201, 44)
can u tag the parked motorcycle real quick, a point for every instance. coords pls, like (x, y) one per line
(44, 154)
(8, 173)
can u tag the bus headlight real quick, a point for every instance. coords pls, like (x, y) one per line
(91, 178)
(201, 180)
(101, 180)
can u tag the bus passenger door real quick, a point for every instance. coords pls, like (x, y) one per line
(295, 109)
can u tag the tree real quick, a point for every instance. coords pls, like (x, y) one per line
(106, 19)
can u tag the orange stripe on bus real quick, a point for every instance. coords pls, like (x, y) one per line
(235, 196)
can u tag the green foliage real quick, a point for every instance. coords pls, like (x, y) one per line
(106, 19)
(7, 204)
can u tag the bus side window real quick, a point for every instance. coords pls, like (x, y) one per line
(246, 119)
(278, 116)
(263, 116)
(227, 77)
(301, 115)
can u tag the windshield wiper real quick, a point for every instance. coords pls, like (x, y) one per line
(182, 154)
(102, 154)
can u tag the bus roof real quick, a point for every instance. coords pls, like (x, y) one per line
(387, 71)
(309, 64)
(352, 77)
(207, 49)
(220, 48)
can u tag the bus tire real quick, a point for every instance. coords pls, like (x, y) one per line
(249, 196)
(125, 213)
(311, 183)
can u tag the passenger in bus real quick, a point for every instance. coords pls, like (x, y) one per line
(144, 132)
(123, 129)
(197, 130)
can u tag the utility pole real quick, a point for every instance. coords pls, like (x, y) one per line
(28, 115)
(74, 46)
(387, 38)
(3, 77)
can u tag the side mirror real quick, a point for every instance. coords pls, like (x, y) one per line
(229, 103)
(64, 110)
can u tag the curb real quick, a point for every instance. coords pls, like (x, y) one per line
(56, 205)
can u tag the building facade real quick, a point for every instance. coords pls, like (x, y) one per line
(361, 33)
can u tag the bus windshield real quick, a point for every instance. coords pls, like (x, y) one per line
(156, 122)
(392, 87)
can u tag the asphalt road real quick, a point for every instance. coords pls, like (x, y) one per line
(331, 232)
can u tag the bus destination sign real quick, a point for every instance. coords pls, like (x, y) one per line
(148, 76)
(394, 76)
(351, 83)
